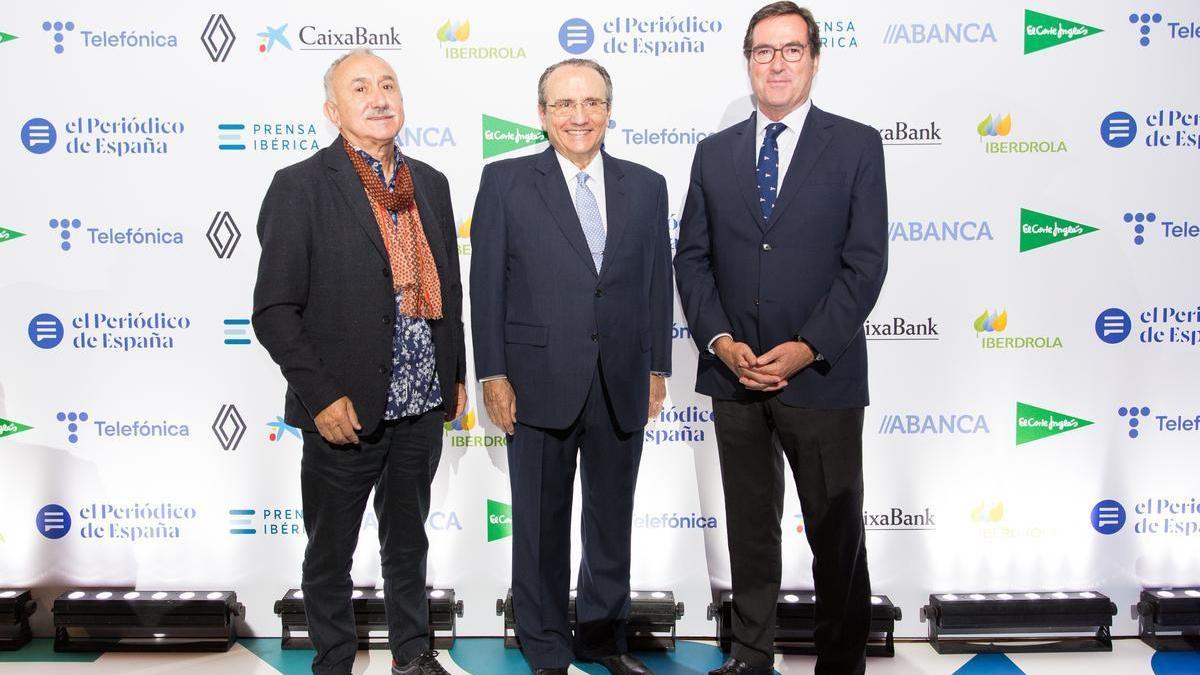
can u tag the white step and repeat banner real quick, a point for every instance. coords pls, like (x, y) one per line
(1034, 354)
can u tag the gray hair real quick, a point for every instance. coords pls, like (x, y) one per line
(364, 51)
(584, 63)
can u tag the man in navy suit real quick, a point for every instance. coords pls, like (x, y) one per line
(782, 253)
(571, 319)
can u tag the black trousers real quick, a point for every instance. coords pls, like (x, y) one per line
(542, 471)
(399, 460)
(824, 449)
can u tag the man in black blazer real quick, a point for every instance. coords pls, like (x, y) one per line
(782, 254)
(571, 319)
(359, 301)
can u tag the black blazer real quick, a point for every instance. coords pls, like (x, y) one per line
(813, 270)
(540, 313)
(323, 302)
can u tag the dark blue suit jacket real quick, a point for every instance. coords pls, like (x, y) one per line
(541, 315)
(812, 271)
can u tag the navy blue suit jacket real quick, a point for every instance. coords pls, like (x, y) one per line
(812, 271)
(542, 316)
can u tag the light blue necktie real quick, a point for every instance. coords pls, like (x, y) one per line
(589, 217)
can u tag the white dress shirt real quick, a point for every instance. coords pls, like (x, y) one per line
(595, 181)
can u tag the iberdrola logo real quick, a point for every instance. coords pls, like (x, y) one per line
(7, 234)
(499, 520)
(983, 514)
(9, 427)
(464, 230)
(994, 125)
(1042, 229)
(1043, 31)
(464, 422)
(991, 323)
(1034, 423)
(501, 136)
(454, 32)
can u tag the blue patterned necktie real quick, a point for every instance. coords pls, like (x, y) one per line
(589, 217)
(768, 168)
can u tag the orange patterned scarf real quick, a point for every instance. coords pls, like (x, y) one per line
(414, 274)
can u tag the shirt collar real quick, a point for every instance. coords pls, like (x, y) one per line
(794, 120)
(594, 169)
(377, 166)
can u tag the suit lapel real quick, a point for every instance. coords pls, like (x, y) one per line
(745, 167)
(429, 222)
(553, 187)
(813, 139)
(342, 172)
(616, 209)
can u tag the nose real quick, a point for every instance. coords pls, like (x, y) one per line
(578, 114)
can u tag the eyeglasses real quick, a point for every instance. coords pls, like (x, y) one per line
(791, 53)
(564, 108)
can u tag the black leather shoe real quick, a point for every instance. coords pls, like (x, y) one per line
(425, 664)
(549, 671)
(624, 664)
(733, 666)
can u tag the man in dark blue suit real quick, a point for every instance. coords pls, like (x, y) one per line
(571, 319)
(782, 253)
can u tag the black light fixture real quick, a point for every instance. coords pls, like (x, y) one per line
(370, 618)
(139, 620)
(1169, 618)
(1033, 621)
(795, 623)
(16, 606)
(651, 626)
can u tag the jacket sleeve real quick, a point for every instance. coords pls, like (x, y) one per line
(489, 262)
(454, 292)
(285, 231)
(693, 265)
(838, 317)
(662, 300)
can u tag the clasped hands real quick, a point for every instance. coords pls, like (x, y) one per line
(768, 372)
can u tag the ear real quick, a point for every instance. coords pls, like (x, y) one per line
(331, 114)
(542, 116)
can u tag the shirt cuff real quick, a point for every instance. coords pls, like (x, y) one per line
(714, 340)
(817, 356)
(660, 373)
(492, 377)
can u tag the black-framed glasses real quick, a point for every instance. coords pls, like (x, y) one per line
(564, 108)
(791, 52)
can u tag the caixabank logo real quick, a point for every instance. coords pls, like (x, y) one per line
(680, 424)
(277, 37)
(991, 328)
(902, 329)
(113, 521)
(1156, 516)
(1148, 226)
(65, 36)
(130, 331)
(994, 131)
(900, 519)
(1043, 31)
(1155, 325)
(1035, 423)
(1154, 28)
(644, 36)
(910, 133)
(965, 229)
(457, 43)
(940, 33)
(1160, 129)
(501, 136)
(125, 136)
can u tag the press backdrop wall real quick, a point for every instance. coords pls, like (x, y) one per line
(1041, 297)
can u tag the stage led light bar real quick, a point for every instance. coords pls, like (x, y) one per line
(651, 626)
(1169, 618)
(16, 606)
(370, 618)
(1019, 622)
(795, 623)
(90, 620)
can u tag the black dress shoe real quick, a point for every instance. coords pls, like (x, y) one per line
(733, 666)
(549, 671)
(624, 664)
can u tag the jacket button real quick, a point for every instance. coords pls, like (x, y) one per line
(385, 319)
(756, 302)
(599, 292)
(595, 337)
(384, 270)
(766, 248)
(383, 370)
